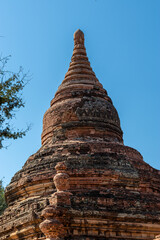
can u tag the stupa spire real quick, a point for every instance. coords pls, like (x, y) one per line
(79, 62)
(81, 108)
(79, 71)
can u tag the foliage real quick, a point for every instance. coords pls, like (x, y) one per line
(11, 86)
(3, 204)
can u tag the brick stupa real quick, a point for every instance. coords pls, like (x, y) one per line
(83, 183)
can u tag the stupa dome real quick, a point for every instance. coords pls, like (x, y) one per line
(83, 183)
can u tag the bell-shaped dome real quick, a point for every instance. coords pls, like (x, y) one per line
(81, 107)
(102, 189)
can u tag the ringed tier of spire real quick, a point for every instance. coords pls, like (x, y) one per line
(80, 74)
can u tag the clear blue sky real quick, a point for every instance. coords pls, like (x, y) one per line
(122, 38)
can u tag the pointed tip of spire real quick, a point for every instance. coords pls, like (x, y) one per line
(78, 37)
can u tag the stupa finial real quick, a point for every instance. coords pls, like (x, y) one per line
(78, 37)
